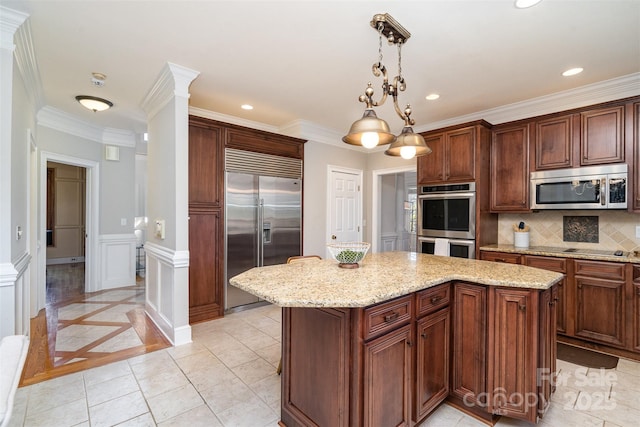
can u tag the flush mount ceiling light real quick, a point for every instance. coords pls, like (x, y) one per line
(94, 103)
(370, 131)
(572, 71)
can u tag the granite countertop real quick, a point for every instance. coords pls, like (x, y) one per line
(381, 277)
(592, 254)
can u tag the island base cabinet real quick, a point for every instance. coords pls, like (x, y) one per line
(387, 388)
(315, 376)
(432, 361)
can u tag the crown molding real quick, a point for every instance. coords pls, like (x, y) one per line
(64, 122)
(10, 21)
(225, 118)
(583, 96)
(28, 65)
(173, 81)
(305, 129)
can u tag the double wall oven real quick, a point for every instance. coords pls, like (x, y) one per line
(447, 216)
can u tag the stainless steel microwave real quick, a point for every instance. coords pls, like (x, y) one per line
(593, 187)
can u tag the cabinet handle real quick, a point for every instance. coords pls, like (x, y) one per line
(434, 300)
(522, 307)
(560, 284)
(579, 286)
(409, 343)
(501, 260)
(423, 335)
(391, 317)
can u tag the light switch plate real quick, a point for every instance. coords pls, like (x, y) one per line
(159, 228)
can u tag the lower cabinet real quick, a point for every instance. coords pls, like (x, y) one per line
(393, 363)
(559, 265)
(387, 389)
(600, 301)
(635, 344)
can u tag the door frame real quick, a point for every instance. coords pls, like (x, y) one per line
(376, 197)
(331, 169)
(91, 221)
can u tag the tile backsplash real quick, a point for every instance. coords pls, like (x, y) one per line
(616, 229)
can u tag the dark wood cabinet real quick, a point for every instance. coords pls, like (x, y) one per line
(635, 298)
(206, 221)
(433, 330)
(510, 169)
(553, 148)
(506, 257)
(468, 364)
(600, 301)
(634, 141)
(547, 348)
(514, 350)
(388, 373)
(602, 136)
(559, 265)
(456, 154)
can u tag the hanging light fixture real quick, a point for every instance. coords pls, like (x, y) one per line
(370, 131)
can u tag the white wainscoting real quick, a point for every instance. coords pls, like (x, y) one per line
(167, 291)
(117, 260)
(14, 297)
(388, 241)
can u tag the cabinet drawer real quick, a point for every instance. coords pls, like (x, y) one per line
(501, 257)
(603, 270)
(547, 263)
(384, 317)
(432, 299)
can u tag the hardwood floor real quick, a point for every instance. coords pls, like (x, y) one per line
(78, 330)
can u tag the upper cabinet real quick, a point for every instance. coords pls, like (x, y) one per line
(602, 136)
(553, 148)
(455, 154)
(510, 168)
(634, 142)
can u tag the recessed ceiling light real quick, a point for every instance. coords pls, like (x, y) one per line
(572, 72)
(432, 96)
(246, 107)
(523, 4)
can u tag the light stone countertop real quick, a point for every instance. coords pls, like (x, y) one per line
(381, 277)
(589, 254)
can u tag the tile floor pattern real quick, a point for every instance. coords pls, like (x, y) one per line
(97, 324)
(226, 377)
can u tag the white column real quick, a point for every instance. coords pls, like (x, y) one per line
(167, 275)
(10, 21)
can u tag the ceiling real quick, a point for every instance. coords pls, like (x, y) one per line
(310, 60)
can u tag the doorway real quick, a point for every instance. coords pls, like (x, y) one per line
(394, 203)
(344, 204)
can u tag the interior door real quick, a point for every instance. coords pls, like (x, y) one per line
(345, 206)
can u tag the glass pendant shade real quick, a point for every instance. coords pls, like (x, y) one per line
(369, 131)
(408, 145)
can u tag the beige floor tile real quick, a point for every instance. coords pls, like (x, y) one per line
(628, 367)
(444, 416)
(118, 410)
(51, 394)
(174, 402)
(124, 340)
(163, 381)
(75, 337)
(268, 389)
(271, 353)
(250, 413)
(110, 389)
(144, 420)
(73, 311)
(106, 372)
(185, 350)
(200, 416)
(156, 356)
(254, 371)
(196, 362)
(67, 414)
(237, 357)
(226, 395)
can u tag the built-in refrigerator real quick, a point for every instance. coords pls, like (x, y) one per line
(263, 215)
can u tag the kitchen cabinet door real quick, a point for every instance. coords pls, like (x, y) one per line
(468, 366)
(554, 143)
(431, 167)
(635, 140)
(559, 265)
(510, 169)
(514, 333)
(432, 362)
(387, 388)
(600, 305)
(602, 136)
(636, 308)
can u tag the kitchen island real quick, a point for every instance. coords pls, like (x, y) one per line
(386, 343)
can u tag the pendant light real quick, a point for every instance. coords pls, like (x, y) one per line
(371, 131)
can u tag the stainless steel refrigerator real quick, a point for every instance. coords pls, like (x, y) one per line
(263, 223)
